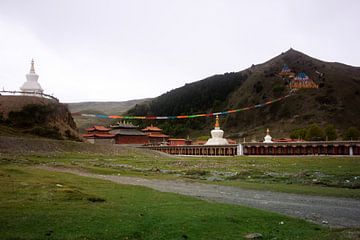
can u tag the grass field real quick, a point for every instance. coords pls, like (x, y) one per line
(36, 204)
(328, 176)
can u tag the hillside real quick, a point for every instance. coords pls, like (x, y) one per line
(108, 108)
(28, 115)
(104, 107)
(336, 101)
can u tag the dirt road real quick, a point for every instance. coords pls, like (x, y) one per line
(335, 212)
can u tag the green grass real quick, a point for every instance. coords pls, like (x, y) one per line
(36, 204)
(328, 176)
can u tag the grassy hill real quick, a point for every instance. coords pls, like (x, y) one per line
(335, 102)
(104, 107)
(108, 108)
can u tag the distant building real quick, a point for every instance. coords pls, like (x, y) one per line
(127, 133)
(31, 87)
(286, 72)
(99, 135)
(302, 81)
(199, 142)
(179, 141)
(156, 137)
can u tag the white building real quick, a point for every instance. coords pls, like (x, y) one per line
(268, 138)
(31, 86)
(217, 135)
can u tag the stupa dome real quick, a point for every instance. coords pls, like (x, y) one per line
(31, 86)
(268, 138)
(217, 135)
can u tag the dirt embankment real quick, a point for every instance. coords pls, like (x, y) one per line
(16, 103)
(60, 117)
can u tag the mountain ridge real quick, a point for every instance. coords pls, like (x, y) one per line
(334, 102)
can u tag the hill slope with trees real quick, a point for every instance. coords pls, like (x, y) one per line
(335, 102)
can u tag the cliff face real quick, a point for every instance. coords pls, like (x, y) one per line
(37, 116)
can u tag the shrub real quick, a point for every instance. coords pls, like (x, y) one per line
(46, 132)
(31, 115)
(278, 90)
(352, 134)
(298, 133)
(314, 133)
(330, 132)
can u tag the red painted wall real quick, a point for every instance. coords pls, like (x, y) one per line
(119, 139)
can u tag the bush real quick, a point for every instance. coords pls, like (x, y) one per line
(278, 90)
(30, 116)
(46, 132)
(314, 133)
(330, 132)
(352, 134)
(298, 133)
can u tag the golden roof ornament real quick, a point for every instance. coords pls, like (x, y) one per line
(217, 124)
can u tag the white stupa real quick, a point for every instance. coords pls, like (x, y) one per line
(217, 135)
(268, 138)
(31, 86)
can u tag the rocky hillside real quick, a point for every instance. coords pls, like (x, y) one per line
(336, 101)
(36, 116)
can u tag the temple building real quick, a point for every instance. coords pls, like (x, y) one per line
(31, 87)
(217, 135)
(127, 133)
(179, 141)
(286, 72)
(99, 135)
(302, 81)
(156, 137)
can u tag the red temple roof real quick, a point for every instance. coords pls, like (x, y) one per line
(98, 135)
(98, 128)
(152, 129)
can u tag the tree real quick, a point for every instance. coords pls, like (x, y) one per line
(314, 133)
(330, 132)
(352, 134)
(298, 133)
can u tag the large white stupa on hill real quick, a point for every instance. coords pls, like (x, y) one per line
(31, 86)
(217, 135)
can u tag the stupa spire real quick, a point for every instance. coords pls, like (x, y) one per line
(32, 68)
(217, 124)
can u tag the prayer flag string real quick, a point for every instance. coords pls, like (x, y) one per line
(186, 116)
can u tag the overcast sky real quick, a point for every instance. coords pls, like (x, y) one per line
(115, 50)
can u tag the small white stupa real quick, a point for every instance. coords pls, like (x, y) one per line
(217, 135)
(268, 138)
(31, 86)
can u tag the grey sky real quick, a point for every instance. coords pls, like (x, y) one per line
(121, 50)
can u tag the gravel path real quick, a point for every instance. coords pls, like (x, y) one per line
(335, 212)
